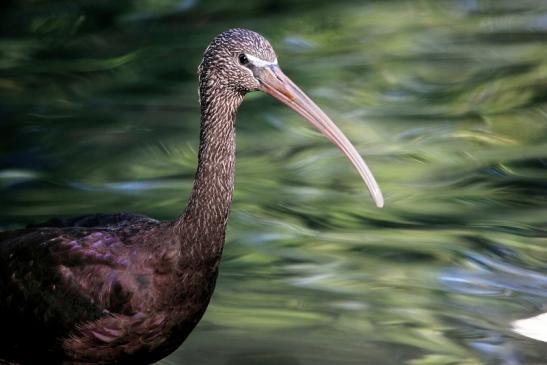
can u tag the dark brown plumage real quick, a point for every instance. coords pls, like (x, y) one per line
(128, 289)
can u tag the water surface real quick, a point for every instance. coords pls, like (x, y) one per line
(446, 99)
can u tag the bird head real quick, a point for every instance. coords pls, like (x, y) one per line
(234, 59)
(238, 61)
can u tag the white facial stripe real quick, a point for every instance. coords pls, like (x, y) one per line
(260, 62)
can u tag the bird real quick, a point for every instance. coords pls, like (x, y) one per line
(128, 289)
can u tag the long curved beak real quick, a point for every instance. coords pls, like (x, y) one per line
(274, 82)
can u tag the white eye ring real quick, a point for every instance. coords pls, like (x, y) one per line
(258, 62)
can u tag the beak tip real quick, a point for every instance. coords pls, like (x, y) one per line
(375, 193)
(379, 203)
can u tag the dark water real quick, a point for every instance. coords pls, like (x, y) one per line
(446, 99)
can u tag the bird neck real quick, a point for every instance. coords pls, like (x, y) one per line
(203, 223)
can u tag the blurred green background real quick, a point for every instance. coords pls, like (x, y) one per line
(447, 101)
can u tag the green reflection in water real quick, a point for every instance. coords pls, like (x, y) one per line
(446, 99)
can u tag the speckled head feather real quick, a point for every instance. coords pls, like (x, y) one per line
(221, 65)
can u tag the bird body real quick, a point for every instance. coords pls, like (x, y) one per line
(125, 288)
(135, 291)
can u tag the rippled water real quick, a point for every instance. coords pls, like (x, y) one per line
(446, 99)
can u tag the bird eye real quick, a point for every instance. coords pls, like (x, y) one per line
(243, 60)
